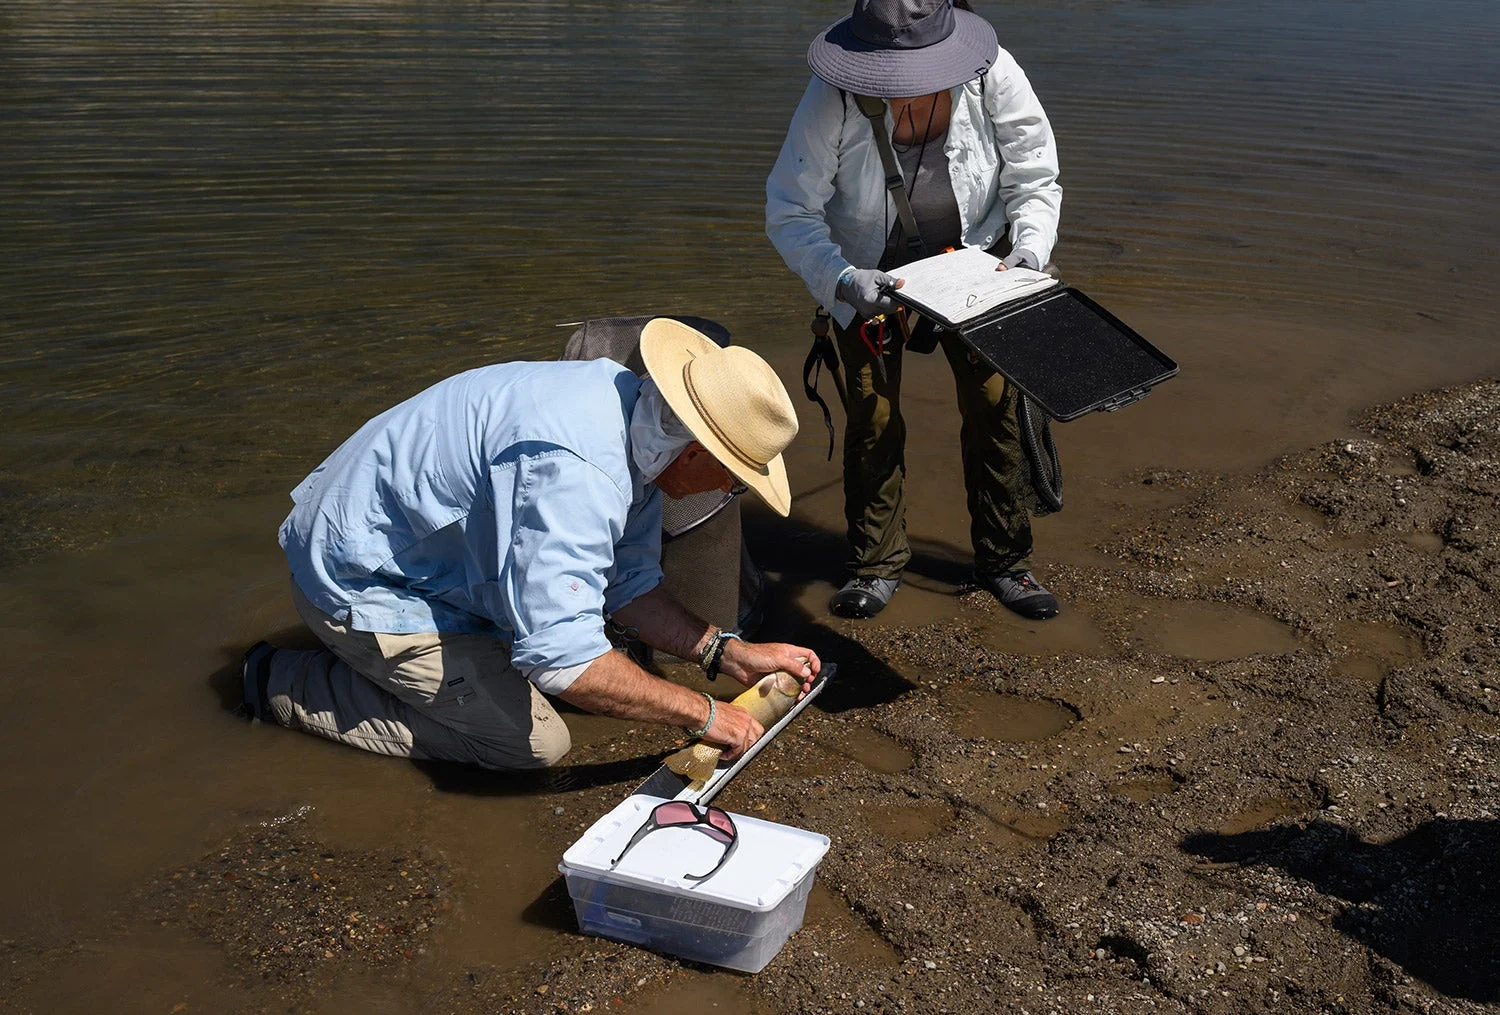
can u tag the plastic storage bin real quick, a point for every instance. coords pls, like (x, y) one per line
(738, 919)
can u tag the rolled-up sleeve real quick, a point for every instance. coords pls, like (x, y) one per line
(558, 520)
(637, 567)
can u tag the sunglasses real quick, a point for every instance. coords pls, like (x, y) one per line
(714, 823)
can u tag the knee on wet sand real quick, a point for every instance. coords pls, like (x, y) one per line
(549, 750)
(548, 744)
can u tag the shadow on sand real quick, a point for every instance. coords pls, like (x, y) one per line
(553, 908)
(801, 556)
(451, 777)
(1426, 900)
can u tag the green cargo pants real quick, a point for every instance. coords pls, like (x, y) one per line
(875, 460)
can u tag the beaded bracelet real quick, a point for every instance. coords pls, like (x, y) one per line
(718, 656)
(712, 649)
(713, 708)
(708, 650)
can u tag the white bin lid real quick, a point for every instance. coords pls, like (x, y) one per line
(769, 862)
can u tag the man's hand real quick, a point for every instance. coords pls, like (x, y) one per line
(734, 728)
(613, 685)
(748, 661)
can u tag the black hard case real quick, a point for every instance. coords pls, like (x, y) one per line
(1067, 353)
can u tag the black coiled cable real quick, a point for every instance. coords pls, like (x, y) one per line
(1041, 456)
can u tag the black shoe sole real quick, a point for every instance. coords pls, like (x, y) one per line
(255, 672)
(856, 606)
(1031, 613)
(862, 607)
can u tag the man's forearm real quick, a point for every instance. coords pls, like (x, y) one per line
(665, 624)
(615, 686)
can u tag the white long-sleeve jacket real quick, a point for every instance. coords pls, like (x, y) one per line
(826, 202)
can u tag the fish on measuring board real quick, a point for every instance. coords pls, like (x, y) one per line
(768, 700)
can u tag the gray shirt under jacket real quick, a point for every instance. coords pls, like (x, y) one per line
(924, 167)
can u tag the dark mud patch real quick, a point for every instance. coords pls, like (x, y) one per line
(841, 932)
(1427, 542)
(868, 748)
(284, 905)
(1143, 787)
(1071, 632)
(1268, 808)
(1363, 669)
(1210, 631)
(694, 993)
(1371, 650)
(1008, 718)
(910, 822)
(585, 729)
(1026, 828)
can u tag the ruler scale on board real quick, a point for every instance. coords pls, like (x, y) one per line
(668, 785)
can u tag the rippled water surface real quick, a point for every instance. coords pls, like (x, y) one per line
(229, 233)
(228, 230)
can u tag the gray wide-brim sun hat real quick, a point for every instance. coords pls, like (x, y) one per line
(903, 48)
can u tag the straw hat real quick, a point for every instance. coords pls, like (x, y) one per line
(730, 399)
(903, 48)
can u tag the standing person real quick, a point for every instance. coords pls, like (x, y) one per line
(980, 169)
(463, 551)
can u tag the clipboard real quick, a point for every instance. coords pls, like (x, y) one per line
(1065, 352)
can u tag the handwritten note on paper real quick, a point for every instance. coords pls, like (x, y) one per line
(963, 284)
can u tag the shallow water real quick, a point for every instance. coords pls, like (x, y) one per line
(1145, 788)
(911, 822)
(1215, 631)
(1370, 651)
(229, 233)
(1008, 718)
(830, 917)
(1264, 810)
(876, 751)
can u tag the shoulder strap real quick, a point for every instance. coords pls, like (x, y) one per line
(874, 109)
(823, 353)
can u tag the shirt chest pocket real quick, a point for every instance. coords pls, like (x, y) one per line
(975, 148)
(981, 155)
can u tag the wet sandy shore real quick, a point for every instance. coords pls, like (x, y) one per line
(1271, 786)
(1251, 769)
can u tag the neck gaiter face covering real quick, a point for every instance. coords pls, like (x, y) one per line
(657, 436)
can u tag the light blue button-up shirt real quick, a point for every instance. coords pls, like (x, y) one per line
(503, 500)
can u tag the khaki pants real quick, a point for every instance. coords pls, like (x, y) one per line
(439, 696)
(875, 460)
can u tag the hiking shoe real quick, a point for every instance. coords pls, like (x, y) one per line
(863, 596)
(256, 670)
(1021, 593)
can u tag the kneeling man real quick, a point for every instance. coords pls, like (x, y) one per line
(462, 552)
